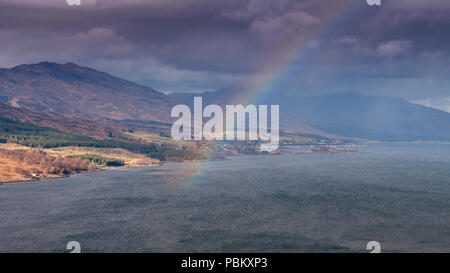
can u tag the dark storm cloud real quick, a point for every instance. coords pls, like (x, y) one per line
(400, 48)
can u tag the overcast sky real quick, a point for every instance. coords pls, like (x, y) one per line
(311, 47)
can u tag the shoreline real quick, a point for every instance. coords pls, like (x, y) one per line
(47, 178)
(15, 169)
(72, 174)
(199, 161)
(103, 169)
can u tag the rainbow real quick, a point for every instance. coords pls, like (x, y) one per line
(287, 66)
(286, 69)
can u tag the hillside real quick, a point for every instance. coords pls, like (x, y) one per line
(12, 131)
(80, 92)
(63, 123)
(34, 165)
(83, 101)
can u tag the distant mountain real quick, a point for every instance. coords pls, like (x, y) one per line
(232, 96)
(63, 123)
(81, 92)
(348, 115)
(373, 117)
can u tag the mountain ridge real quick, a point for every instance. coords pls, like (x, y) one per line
(81, 92)
(84, 93)
(349, 115)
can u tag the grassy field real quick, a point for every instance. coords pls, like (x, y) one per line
(157, 138)
(130, 159)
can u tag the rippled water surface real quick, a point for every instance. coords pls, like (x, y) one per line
(397, 194)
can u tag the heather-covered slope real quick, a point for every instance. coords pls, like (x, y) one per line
(62, 123)
(81, 92)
